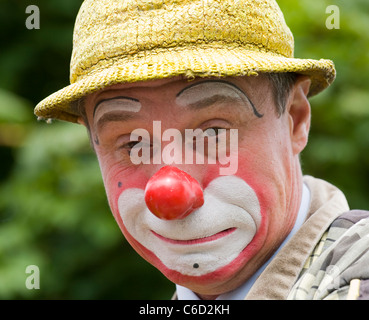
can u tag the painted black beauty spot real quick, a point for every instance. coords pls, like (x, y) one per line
(196, 265)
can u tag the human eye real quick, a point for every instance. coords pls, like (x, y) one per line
(138, 144)
(214, 132)
(206, 137)
(135, 148)
(129, 146)
(216, 139)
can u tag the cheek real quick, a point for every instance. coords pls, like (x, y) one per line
(116, 180)
(261, 177)
(260, 180)
(258, 174)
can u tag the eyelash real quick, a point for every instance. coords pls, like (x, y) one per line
(130, 145)
(216, 130)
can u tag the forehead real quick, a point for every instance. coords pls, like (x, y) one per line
(252, 85)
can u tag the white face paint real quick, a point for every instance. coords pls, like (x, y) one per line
(117, 104)
(201, 94)
(206, 240)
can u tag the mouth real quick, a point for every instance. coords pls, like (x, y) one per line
(213, 237)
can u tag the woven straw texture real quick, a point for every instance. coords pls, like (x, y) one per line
(117, 41)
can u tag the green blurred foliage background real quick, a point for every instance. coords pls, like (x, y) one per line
(53, 209)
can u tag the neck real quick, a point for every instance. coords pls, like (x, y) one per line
(207, 297)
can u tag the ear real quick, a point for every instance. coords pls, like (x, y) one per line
(299, 113)
(81, 121)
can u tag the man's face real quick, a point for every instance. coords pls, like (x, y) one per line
(246, 213)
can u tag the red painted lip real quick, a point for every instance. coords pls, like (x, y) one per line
(216, 236)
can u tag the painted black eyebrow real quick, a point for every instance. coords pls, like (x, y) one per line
(259, 115)
(115, 98)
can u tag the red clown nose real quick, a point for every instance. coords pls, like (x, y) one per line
(173, 194)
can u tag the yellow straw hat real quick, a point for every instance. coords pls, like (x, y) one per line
(117, 41)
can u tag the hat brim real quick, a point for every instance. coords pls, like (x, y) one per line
(187, 62)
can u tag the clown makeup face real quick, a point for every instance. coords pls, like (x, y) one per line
(203, 230)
